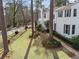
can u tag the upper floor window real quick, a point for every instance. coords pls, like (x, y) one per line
(60, 13)
(75, 12)
(68, 13)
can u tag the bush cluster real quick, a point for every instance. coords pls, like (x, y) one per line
(74, 42)
(16, 32)
(55, 43)
(40, 28)
(51, 44)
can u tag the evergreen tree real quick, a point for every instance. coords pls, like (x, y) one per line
(61, 2)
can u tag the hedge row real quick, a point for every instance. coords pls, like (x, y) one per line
(74, 44)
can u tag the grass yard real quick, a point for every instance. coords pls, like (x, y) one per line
(1, 42)
(11, 37)
(19, 47)
(42, 53)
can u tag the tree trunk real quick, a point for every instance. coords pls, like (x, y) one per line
(37, 6)
(14, 14)
(32, 18)
(21, 5)
(51, 19)
(3, 28)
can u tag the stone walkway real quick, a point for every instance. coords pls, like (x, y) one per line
(69, 48)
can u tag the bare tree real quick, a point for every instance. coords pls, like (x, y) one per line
(21, 8)
(14, 12)
(3, 28)
(37, 6)
(32, 18)
(51, 18)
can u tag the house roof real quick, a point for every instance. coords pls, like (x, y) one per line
(68, 6)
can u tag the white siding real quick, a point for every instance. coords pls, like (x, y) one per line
(60, 21)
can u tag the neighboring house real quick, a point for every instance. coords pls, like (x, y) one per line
(43, 16)
(66, 20)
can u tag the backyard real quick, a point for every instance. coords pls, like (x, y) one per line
(32, 29)
(19, 49)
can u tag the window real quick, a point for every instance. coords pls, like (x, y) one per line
(54, 26)
(75, 12)
(44, 15)
(68, 13)
(73, 29)
(65, 13)
(39, 14)
(66, 29)
(60, 13)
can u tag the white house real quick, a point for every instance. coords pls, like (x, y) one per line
(43, 16)
(66, 20)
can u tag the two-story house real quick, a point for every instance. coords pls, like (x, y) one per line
(66, 20)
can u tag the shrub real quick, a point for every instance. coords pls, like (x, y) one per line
(30, 36)
(74, 42)
(55, 43)
(47, 30)
(67, 40)
(51, 44)
(75, 46)
(26, 27)
(16, 32)
(40, 28)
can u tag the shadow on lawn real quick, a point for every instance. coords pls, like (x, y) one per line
(38, 44)
(15, 37)
(28, 49)
(4, 54)
(55, 55)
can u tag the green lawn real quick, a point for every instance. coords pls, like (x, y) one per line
(11, 37)
(19, 47)
(41, 53)
(1, 42)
